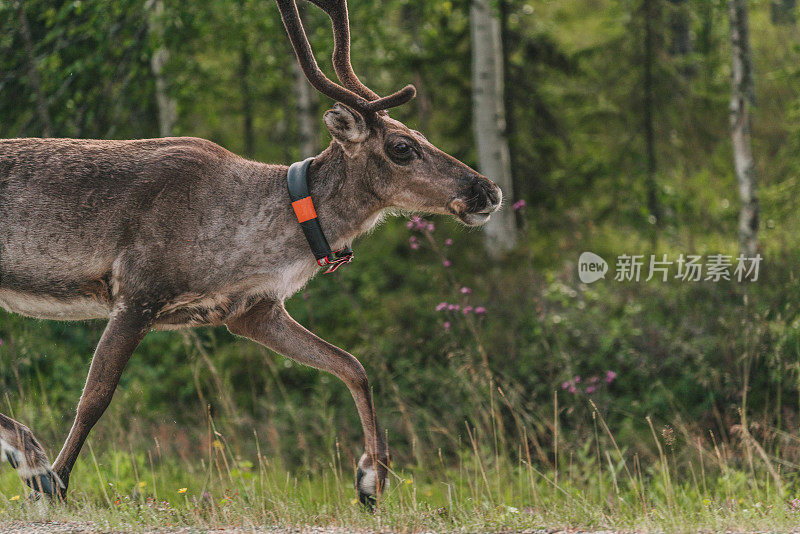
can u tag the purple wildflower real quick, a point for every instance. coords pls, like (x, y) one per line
(466, 310)
(448, 242)
(420, 224)
(441, 306)
(453, 307)
(446, 325)
(519, 205)
(414, 243)
(610, 376)
(480, 310)
(446, 263)
(590, 389)
(465, 290)
(565, 385)
(577, 379)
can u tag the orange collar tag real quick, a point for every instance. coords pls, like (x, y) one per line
(304, 209)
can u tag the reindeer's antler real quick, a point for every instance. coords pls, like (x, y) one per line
(355, 94)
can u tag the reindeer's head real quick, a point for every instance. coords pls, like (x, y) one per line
(400, 166)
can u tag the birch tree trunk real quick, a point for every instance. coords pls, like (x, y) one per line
(305, 99)
(488, 111)
(742, 96)
(167, 108)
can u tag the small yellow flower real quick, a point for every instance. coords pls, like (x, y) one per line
(14, 498)
(408, 481)
(182, 490)
(217, 444)
(706, 502)
(142, 484)
(741, 501)
(354, 501)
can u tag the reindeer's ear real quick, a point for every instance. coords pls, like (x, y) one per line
(345, 124)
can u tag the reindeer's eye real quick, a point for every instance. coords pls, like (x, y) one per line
(401, 151)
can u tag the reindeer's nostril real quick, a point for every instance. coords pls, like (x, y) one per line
(493, 193)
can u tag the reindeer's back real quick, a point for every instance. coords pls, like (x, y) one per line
(68, 207)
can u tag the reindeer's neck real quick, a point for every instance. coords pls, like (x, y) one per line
(346, 208)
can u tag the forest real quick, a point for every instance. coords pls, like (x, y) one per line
(516, 389)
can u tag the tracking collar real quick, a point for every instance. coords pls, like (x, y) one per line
(297, 180)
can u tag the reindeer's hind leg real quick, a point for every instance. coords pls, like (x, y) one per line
(126, 328)
(20, 448)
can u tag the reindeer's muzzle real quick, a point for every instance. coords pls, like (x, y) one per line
(478, 200)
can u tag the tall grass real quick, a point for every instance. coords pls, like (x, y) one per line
(138, 482)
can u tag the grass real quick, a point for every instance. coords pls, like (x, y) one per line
(484, 486)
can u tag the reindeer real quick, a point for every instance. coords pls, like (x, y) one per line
(179, 233)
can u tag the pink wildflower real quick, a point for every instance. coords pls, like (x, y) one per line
(446, 263)
(610, 376)
(480, 310)
(453, 307)
(446, 325)
(590, 389)
(448, 242)
(441, 306)
(413, 241)
(519, 205)
(465, 290)
(466, 310)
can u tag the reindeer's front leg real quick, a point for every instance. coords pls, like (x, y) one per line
(268, 323)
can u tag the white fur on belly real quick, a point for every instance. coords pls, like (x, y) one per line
(43, 307)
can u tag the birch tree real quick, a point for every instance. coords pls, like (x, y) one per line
(167, 108)
(742, 97)
(489, 123)
(305, 99)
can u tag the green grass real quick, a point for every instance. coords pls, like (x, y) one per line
(596, 485)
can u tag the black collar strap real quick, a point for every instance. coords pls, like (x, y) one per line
(297, 180)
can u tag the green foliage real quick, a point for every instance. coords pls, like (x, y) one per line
(703, 361)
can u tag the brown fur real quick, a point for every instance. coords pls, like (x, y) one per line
(179, 232)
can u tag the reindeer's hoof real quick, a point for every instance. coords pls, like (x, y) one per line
(46, 483)
(367, 482)
(368, 501)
